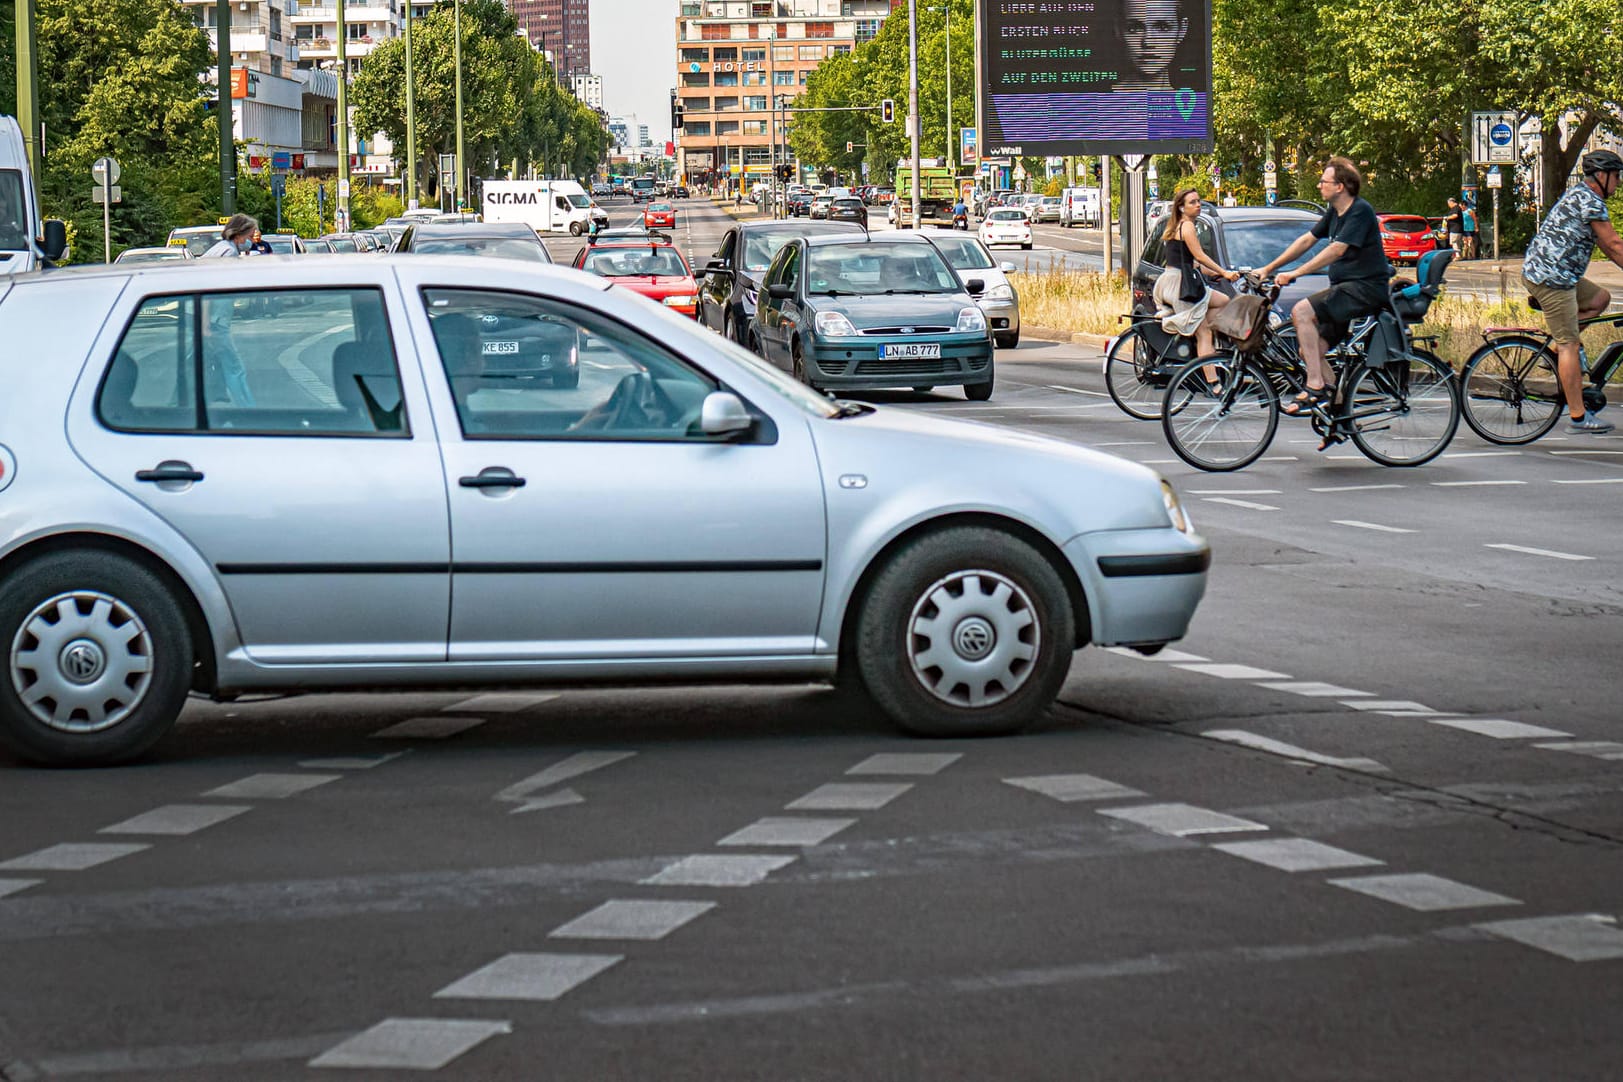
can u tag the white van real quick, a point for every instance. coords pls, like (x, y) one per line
(1079, 206)
(547, 206)
(26, 242)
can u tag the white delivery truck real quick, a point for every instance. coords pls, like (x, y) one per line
(26, 242)
(1079, 206)
(547, 206)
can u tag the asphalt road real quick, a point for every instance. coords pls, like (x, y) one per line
(1366, 822)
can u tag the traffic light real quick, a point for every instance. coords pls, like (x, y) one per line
(887, 112)
(848, 146)
(676, 112)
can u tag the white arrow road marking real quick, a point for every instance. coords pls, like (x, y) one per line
(524, 792)
(1288, 751)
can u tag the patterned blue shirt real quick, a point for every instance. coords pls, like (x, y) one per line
(1560, 251)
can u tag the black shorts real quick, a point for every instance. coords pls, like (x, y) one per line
(1336, 307)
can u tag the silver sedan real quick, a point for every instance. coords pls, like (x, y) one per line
(363, 472)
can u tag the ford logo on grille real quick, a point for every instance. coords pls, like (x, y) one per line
(907, 330)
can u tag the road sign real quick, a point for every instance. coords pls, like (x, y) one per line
(1269, 166)
(1493, 138)
(1270, 178)
(343, 187)
(282, 159)
(1496, 179)
(1132, 162)
(98, 194)
(105, 171)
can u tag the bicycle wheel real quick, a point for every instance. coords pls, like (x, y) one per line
(1405, 412)
(1510, 391)
(1225, 430)
(1136, 376)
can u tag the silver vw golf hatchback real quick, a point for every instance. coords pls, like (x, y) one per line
(358, 472)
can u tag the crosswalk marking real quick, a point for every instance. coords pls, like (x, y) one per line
(1181, 820)
(853, 796)
(427, 728)
(411, 1044)
(17, 886)
(271, 786)
(534, 977)
(1232, 672)
(787, 831)
(632, 918)
(72, 856)
(718, 870)
(1498, 728)
(1422, 891)
(177, 819)
(906, 763)
(1584, 937)
(1069, 788)
(1313, 689)
(1295, 854)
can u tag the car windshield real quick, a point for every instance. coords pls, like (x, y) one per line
(964, 253)
(501, 247)
(578, 200)
(281, 245)
(1406, 225)
(851, 204)
(871, 269)
(342, 244)
(761, 245)
(13, 216)
(162, 255)
(1006, 216)
(635, 262)
(1254, 243)
(659, 208)
(197, 242)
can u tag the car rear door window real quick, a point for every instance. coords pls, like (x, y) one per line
(525, 367)
(316, 362)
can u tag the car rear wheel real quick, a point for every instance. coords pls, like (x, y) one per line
(98, 659)
(966, 632)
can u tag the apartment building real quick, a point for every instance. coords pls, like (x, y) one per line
(733, 56)
(562, 29)
(262, 38)
(588, 89)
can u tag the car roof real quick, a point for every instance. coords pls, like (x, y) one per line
(186, 229)
(473, 229)
(799, 228)
(860, 237)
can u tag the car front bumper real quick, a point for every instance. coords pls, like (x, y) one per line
(854, 363)
(1143, 586)
(1003, 316)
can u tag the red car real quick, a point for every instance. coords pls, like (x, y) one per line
(1406, 237)
(651, 266)
(659, 214)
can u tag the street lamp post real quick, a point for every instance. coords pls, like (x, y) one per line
(772, 133)
(913, 103)
(456, 31)
(411, 121)
(952, 133)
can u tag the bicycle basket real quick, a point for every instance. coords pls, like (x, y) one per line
(1387, 342)
(1243, 321)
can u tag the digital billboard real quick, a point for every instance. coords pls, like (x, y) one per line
(1095, 77)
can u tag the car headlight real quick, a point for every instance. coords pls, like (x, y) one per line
(1180, 521)
(970, 320)
(1004, 292)
(834, 325)
(682, 301)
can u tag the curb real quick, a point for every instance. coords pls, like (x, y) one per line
(1054, 334)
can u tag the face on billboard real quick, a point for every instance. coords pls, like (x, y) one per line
(1098, 77)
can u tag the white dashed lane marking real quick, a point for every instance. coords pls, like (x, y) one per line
(177, 819)
(502, 702)
(1401, 707)
(533, 977)
(921, 763)
(271, 786)
(350, 762)
(1290, 751)
(1550, 553)
(1594, 481)
(72, 856)
(852, 796)
(1353, 488)
(1483, 454)
(411, 1044)
(785, 831)
(17, 886)
(1069, 788)
(632, 919)
(1232, 672)
(1423, 892)
(427, 728)
(716, 870)
(1473, 484)
(1594, 749)
(1248, 505)
(1228, 491)
(1181, 820)
(1295, 854)
(1498, 728)
(1357, 525)
(1578, 938)
(1312, 689)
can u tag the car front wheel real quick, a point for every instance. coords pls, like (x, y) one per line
(966, 632)
(98, 659)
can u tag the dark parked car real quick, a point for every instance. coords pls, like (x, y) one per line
(732, 278)
(799, 204)
(848, 209)
(1240, 238)
(873, 311)
(509, 240)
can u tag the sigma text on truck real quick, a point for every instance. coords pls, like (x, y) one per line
(547, 206)
(26, 242)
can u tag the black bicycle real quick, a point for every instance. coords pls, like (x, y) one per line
(1140, 364)
(1395, 401)
(1510, 386)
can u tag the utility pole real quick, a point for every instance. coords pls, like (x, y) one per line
(456, 29)
(913, 103)
(952, 133)
(228, 146)
(344, 224)
(28, 89)
(411, 121)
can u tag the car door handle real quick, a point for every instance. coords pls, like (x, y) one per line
(169, 471)
(493, 477)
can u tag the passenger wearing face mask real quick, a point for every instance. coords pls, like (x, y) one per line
(236, 238)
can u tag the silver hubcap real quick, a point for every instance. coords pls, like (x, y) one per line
(81, 662)
(974, 638)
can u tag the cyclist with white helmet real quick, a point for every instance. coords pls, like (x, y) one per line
(1553, 272)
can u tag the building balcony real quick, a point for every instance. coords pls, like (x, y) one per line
(353, 13)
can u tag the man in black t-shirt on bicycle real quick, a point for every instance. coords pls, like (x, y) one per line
(1360, 278)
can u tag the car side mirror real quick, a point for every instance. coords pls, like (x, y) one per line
(780, 291)
(716, 266)
(723, 414)
(975, 285)
(53, 245)
(1007, 268)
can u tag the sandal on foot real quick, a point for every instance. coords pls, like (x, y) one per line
(1304, 403)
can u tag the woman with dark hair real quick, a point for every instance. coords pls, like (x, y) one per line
(1151, 33)
(1189, 306)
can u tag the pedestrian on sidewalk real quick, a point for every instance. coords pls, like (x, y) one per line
(236, 238)
(1455, 221)
(1468, 231)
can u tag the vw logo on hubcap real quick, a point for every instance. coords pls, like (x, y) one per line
(82, 661)
(974, 638)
